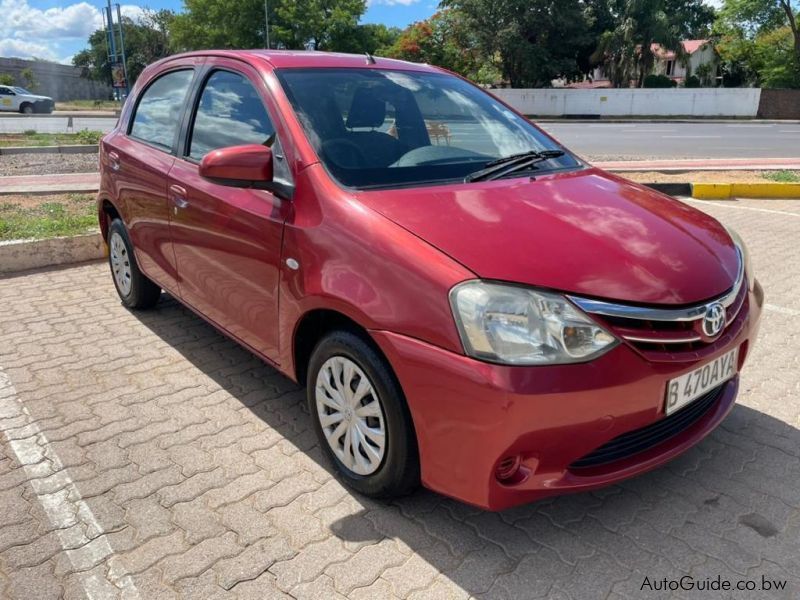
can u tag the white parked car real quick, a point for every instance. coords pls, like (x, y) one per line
(19, 99)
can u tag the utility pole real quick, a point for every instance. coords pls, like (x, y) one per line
(266, 25)
(122, 50)
(116, 54)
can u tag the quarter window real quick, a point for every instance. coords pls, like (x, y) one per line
(230, 113)
(157, 116)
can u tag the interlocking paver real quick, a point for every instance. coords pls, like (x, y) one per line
(197, 520)
(252, 561)
(248, 523)
(365, 566)
(199, 557)
(148, 518)
(200, 476)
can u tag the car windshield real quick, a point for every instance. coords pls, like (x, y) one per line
(382, 128)
(23, 91)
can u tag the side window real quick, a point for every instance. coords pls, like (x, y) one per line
(230, 113)
(156, 120)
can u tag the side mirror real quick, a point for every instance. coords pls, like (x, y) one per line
(239, 166)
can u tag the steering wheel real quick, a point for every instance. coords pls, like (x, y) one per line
(344, 153)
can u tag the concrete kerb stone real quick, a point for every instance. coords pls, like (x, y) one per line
(68, 149)
(23, 255)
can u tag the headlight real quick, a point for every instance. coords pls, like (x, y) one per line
(519, 326)
(748, 267)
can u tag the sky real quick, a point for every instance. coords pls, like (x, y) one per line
(56, 30)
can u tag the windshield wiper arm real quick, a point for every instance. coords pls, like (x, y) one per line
(509, 164)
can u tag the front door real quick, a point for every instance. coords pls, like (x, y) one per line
(227, 240)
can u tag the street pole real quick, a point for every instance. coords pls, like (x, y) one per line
(122, 50)
(266, 25)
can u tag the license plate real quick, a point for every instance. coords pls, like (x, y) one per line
(689, 387)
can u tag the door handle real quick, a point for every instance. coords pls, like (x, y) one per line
(178, 196)
(113, 160)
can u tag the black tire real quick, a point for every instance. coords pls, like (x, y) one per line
(142, 292)
(399, 473)
(26, 109)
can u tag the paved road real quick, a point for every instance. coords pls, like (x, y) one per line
(599, 141)
(613, 141)
(49, 124)
(145, 456)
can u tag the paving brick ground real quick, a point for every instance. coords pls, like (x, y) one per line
(146, 456)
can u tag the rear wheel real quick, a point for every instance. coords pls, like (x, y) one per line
(134, 289)
(361, 417)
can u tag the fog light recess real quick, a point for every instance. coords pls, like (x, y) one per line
(507, 470)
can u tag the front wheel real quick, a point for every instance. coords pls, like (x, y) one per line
(134, 289)
(26, 109)
(361, 417)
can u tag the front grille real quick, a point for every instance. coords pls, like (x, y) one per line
(639, 440)
(669, 336)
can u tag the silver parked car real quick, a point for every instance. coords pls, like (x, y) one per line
(19, 99)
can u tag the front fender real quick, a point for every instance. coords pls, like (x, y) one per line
(354, 261)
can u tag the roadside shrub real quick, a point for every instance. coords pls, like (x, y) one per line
(88, 136)
(6, 79)
(693, 81)
(658, 81)
(29, 132)
(783, 176)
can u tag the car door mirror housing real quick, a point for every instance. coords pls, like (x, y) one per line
(239, 166)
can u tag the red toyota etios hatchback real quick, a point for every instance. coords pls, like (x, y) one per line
(469, 305)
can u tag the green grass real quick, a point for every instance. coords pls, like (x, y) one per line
(88, 105)
(32, 138)
(783, 176)
(72, 214)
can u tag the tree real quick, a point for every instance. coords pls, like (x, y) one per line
(315, 24)
(629, 50)
(6, 79)
(760, 41)
(146, 40)
(294, 24)
(445, 40)
(374, 38)
(29, 79)
(533, 41)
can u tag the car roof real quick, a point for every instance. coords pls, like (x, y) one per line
(280, 59)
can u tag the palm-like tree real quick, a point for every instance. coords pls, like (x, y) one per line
(628, 52)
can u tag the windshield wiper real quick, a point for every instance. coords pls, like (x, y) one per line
(508, 164)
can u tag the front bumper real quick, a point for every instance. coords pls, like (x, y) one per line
(470, 415)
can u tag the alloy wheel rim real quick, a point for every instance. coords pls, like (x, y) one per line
(351, 415)
(120, 263)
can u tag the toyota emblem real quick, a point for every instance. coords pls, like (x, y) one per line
(714, 319)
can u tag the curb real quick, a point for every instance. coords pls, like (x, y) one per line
(47, 190)
(726, 191)
(671, 189)
(22, 255)
(69, 149)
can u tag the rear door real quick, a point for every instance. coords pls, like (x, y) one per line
(227, 240)
(140, 160)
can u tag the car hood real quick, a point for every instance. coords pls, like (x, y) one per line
(586, 232)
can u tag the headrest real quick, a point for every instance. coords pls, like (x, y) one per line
(366, 110)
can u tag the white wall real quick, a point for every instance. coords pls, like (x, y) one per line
(702, 102)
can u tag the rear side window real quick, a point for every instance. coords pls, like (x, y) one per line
(157, 116)
(230, 113)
